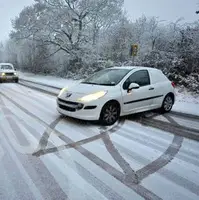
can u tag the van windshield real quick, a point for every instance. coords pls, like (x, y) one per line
(9, 67)
(109, 77)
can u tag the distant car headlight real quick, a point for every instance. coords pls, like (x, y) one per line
(3, 74)
(15, 74)
(62, 91)
(92, 97)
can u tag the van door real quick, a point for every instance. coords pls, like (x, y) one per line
(137, 99)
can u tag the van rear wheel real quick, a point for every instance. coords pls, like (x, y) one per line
(167, 104)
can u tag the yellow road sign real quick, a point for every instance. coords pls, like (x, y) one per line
(134, 50)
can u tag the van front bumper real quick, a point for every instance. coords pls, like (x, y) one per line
(86, 111)
(8, 78)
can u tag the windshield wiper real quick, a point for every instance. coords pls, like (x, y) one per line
(90, 83)
(105, 84)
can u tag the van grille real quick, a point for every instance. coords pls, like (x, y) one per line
(67, 102)
(67, 108)
(69, 105)
(9, 74)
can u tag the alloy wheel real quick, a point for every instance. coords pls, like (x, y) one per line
(168, 103)
(110, 113)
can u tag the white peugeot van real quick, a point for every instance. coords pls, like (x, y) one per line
(116, 92)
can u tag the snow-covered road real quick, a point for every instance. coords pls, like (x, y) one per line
(44, 156)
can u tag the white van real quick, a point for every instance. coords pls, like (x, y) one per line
(8, 73)
(115, 92)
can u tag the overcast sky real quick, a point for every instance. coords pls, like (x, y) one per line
(169, 10)
(8, 10)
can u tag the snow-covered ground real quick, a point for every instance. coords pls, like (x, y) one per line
(185, 101)
(49, 80)
(44, 156)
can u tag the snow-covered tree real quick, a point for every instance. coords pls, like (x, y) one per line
(86, 35)
(71, 26)
(117, 41)
(1, 51)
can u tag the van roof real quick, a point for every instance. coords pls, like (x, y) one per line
(6, 64)
(135, 67)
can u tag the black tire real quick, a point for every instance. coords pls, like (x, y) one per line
(167, 104)
(16, 80)
(110, 113)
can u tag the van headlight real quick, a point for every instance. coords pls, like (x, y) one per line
(15, 74)
(2, 74)
(62, 91)
(92, 97)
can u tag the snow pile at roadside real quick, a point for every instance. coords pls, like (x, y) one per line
(49, 80)
(185, 101)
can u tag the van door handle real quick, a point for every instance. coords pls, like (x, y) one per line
(151, 88)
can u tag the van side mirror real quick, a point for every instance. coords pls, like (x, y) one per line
(133, 86)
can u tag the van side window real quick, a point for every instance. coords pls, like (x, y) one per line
(140, 77)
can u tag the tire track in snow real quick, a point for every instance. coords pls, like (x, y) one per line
(111, 170)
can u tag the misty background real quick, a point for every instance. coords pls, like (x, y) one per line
(75, 39)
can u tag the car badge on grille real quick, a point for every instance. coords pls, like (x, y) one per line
(68, 95)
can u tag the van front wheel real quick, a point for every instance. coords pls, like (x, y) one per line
(110, 113)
